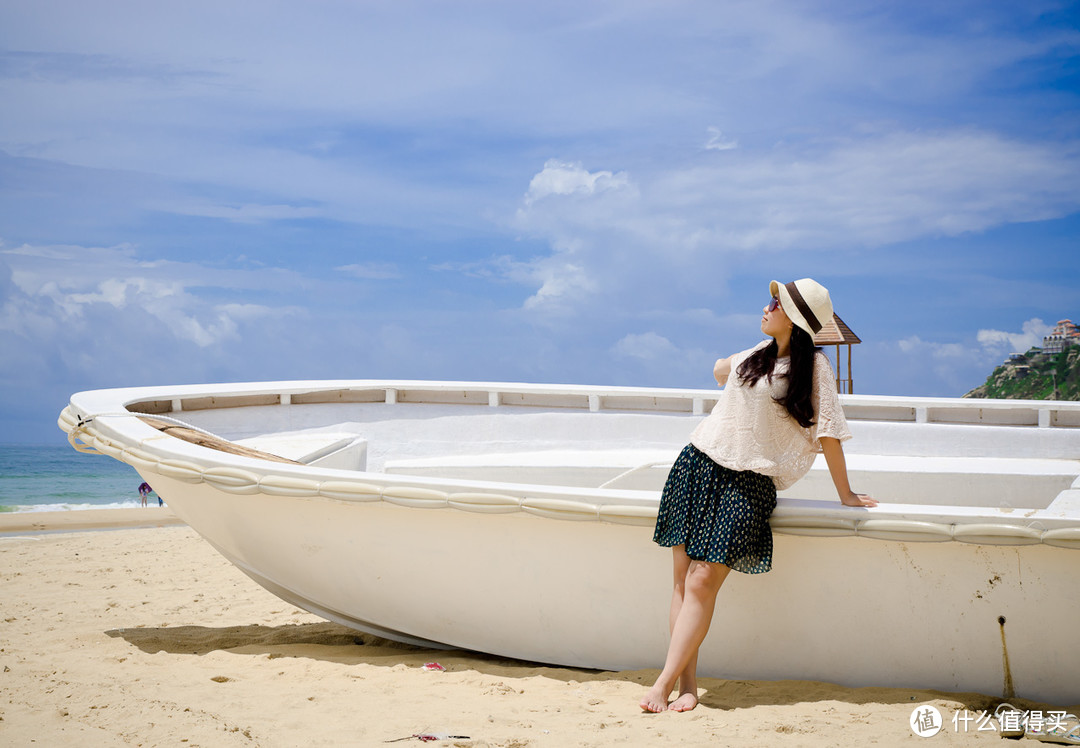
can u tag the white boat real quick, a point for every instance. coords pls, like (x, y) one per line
(517, 520)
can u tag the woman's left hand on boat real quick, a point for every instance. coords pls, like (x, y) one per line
(858, 499)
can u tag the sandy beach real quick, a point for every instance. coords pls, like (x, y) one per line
(144, 635)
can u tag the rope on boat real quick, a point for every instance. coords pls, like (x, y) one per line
(77, 435)
(175, 421)
(238, 480)
(633, 470)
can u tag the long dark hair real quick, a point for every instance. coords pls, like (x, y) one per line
(800, 374)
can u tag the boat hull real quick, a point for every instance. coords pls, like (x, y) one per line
(854, 611)
(517, 520)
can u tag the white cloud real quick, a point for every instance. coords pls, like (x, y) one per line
(647, 346)
(870, 191)
(929, 366)
(624, 231)
(939, 351)
(963, 364)
(717, 141)
(76, 270)
(908, 345)
(247, 213)
(371, 270)
(1031, 335)
(565, 178)
(654, 358)
(180, 97)
(79, 287)
(248, 312)
(830, 130)
(561, 284)
(558, 281)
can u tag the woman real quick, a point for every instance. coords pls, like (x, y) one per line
(777, 412)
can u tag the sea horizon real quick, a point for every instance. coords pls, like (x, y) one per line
(52, 478)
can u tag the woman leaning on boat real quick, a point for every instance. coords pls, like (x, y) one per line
(778, 411)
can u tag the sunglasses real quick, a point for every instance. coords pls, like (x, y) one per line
(773, 304)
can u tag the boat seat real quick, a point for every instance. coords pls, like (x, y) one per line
(334, 450)
(1022, 483)
(620, 468)
(965, 481)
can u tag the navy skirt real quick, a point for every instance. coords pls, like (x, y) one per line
(720, 515)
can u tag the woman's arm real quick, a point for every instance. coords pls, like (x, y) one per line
(834, 456)
(721, 370)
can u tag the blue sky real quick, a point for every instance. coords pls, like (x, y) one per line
(590, 192)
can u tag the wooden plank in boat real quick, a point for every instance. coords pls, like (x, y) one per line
(211, 442)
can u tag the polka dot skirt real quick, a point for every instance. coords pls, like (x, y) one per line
(720, 515)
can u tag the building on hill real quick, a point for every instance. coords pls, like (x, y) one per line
(1064, 334)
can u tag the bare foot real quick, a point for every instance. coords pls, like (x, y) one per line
(655, 700)
(684, 703)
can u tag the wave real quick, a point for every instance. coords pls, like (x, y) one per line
(66, 507)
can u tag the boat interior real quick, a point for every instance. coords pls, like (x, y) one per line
(1000, 454)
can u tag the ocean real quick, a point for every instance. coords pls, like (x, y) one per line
(44, 479)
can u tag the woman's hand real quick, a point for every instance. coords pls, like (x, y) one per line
(834, 457)
(857, 499)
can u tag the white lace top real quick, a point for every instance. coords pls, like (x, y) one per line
(749, 430)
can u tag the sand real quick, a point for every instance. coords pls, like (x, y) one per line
(146, 636)
(91, 519)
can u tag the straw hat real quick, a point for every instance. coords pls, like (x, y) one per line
(806, 303)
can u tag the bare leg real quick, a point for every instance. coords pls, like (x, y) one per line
(687, 698)
(691, 613)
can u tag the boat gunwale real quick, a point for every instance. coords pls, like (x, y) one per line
(1059, 413)
(96, 417)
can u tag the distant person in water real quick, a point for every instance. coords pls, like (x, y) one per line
(144, 491)
(777, 412)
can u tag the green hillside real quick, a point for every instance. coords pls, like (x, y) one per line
(1032, 377)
